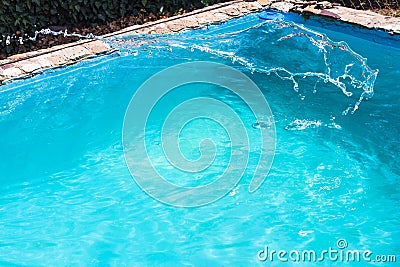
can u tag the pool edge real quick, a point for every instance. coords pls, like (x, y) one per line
(28, 64)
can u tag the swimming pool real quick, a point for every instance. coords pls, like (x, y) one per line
(67, 196)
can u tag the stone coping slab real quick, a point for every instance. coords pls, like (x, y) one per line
(28, 64)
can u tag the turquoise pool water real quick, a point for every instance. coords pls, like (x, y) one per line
(67, 197)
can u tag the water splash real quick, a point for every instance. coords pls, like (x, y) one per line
(314, 57)
(263, 123)
(299, 125)
(64, 33)
(47, 31)
(303, 124)
(311, 55)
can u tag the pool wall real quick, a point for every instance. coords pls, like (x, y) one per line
(31, 63)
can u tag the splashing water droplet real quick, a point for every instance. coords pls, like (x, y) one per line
(263, 124)
(299, 125)
(304, 233)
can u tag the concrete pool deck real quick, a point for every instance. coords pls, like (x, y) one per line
(31, 63)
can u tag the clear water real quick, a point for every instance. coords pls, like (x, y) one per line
(67, 197)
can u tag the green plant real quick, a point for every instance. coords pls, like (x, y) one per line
(20, 19)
